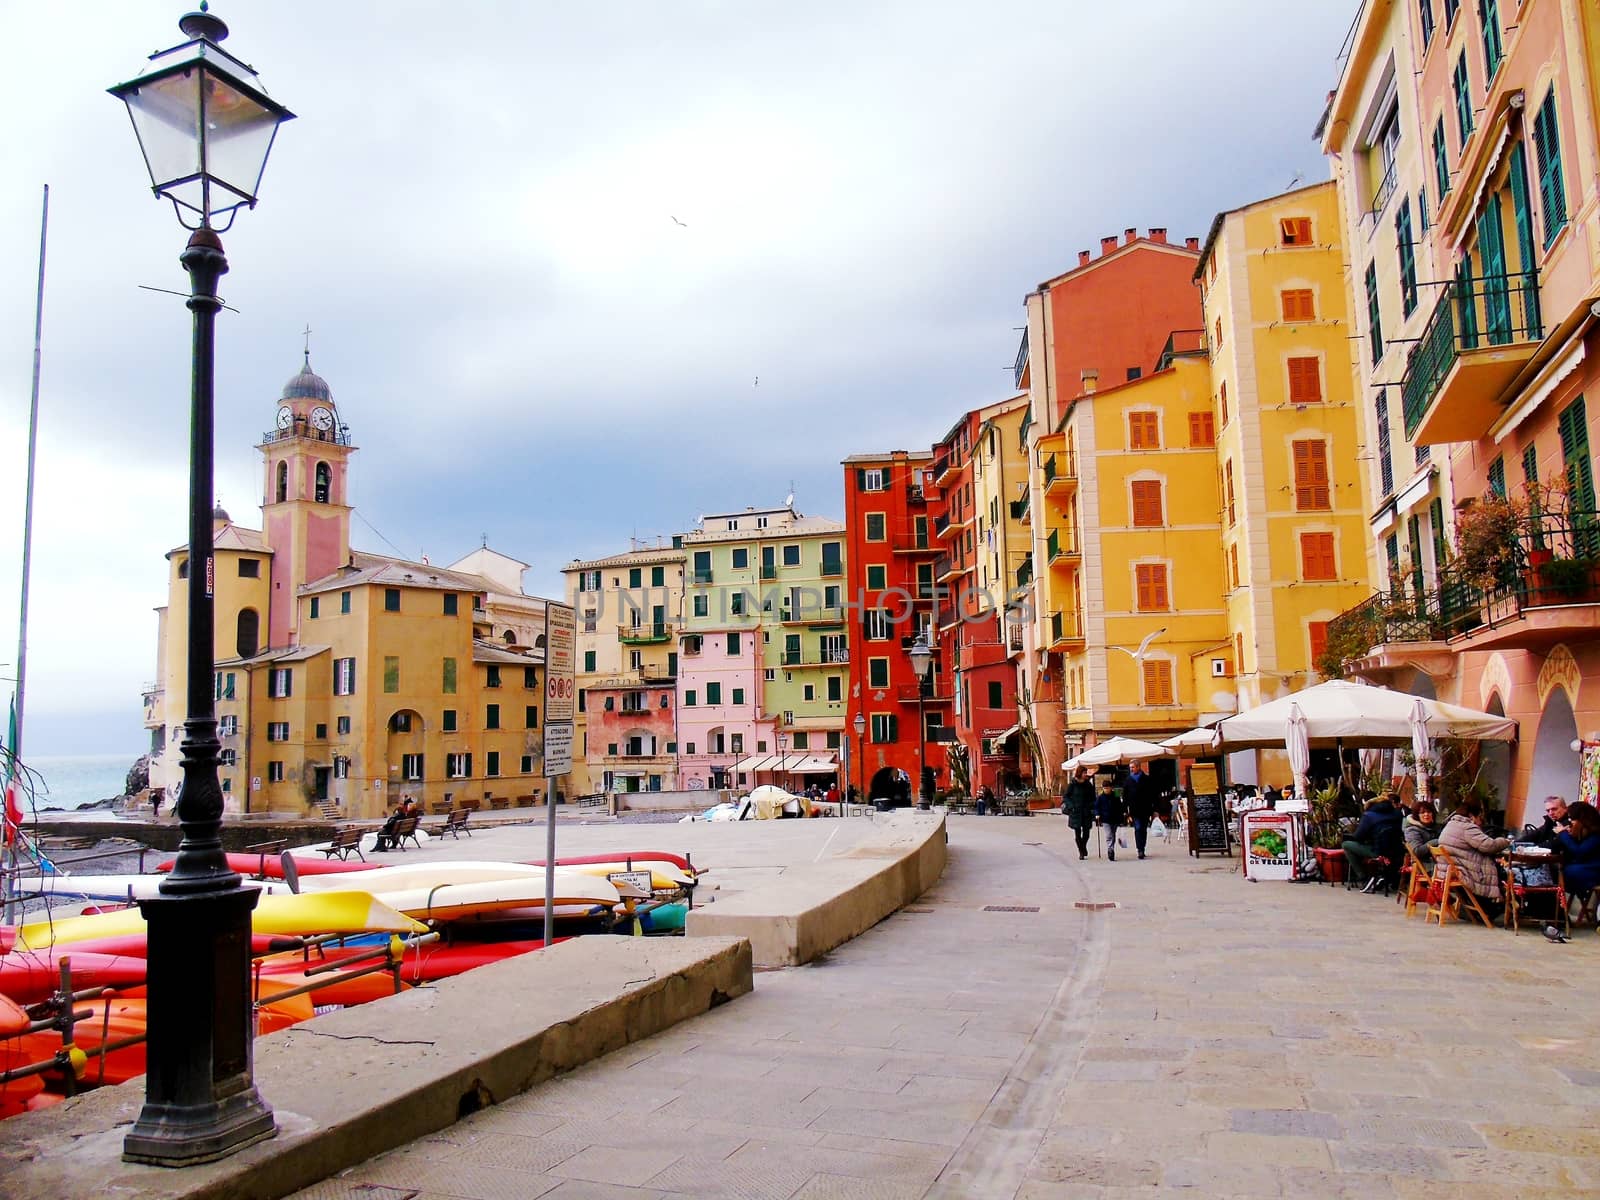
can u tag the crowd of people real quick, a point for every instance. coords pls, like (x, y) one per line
(1377, 846)
(1138, 803)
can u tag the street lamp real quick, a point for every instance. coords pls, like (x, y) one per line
(922, 663)
(860, 726)
(205, 126)
(783, 762)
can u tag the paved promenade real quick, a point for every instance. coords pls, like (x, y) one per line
(1207, 1037)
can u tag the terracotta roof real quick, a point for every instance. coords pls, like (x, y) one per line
(231, 537)
(631, 558)
(489, 652)
(374, 570)
(804, 527)
(281, 654)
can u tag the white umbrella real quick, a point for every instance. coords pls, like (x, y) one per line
(1116, 750)
(1298, 744)
(1194, 739)
(1358, 715)
(1420, 748)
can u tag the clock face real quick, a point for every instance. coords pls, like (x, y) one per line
(322, 418)
(285, 416)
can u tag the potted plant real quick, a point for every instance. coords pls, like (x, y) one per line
(1488, 550)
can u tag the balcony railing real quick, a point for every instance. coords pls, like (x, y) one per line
(301, 428)
(650, 631)
(1060, 468)
(1065, 628)
(1021, 365)
(1060, 546)
(1025, 573)
(941, 524)
(1555, 563)
(700, 576)
(1181, 342)
(911, 539)
(1497, 310)
(1385, 192)
(1019, 509)
(1014, 638)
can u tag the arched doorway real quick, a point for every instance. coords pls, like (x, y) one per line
(407, 765)
(1555, 763)
(885, 784)
(1494, 766)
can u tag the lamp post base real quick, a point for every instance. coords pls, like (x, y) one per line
(201, 1102)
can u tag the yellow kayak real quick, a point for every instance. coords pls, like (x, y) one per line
(290, 915)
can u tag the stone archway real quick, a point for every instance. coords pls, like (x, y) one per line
(1555, 763)
(885, 783)
(409, 770)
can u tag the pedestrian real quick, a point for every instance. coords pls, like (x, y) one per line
(155, 804)
(1077, 805)
(1139, 796)
(1110, 811)
(985, 802)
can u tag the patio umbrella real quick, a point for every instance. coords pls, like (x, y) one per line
(1201, 739)
(1298, 744)
(1117, 750)
(1420, 747)
(1356, 714)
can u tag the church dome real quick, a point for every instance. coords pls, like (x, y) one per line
(307, 385)
(220, 514)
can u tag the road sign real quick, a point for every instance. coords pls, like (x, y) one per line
(560, 697)
(558, 750)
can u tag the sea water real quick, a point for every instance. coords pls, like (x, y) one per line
(75, 780)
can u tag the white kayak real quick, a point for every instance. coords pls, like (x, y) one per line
(118, 889)
(422, 874)
(447, 901)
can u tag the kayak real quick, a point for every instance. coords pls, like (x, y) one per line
(320, 912)
(427, 874)
(137, 945)
(640, 858)
(271, 865)
(28, 976)
(12, 1018)
(453, 900)
(289, 971)
(665, 876)
(122, 889)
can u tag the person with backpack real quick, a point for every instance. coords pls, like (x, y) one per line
(1111, 812)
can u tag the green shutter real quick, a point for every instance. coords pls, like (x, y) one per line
(1466, 308)
(1408, 261)
(1492, 256)
(1414, 532)
(861, 479)
(1522, 211)
(658, 576)
(1552, 191)
(1493, 51)
(1462, 84)
(1497, 477)
(391, 673)
(1575, 454)
(1374, 314)
(1441, 164)
(1530, 464)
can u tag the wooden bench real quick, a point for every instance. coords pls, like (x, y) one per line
(469, 805)
(455, 824)
(266, 850)
(500, 803)
(406, 828)
(345, 842)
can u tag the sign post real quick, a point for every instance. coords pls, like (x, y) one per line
(560, 704)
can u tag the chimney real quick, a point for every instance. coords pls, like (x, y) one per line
(1192, 243)
(1083, 258)
(1129, 235)
(1107, 245)
(1090, 378)
(1159, 236)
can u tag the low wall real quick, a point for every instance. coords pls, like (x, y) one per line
(810, 909)
(356, 1083)
(686, 801)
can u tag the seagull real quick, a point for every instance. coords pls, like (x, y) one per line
(1138, 655)
(675, 221)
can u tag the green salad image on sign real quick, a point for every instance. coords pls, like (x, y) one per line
(1268, 843)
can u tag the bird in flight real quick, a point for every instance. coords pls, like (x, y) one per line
(675, 221)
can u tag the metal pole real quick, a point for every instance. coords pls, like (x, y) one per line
(15, 748)
(201, 1102)
(922, 745)
(549, 858)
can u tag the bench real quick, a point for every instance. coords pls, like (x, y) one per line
(266, 850)
(598, 800)
(405, 828)
(455, 824)
(345, 843)
(500, 803)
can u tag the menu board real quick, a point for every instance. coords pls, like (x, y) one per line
(1271, 845)
(1208, 824)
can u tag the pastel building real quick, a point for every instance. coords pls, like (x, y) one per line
(344, 680)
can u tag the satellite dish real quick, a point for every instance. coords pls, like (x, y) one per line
(788, 501)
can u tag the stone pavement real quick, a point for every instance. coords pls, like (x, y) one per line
(1207, 1037)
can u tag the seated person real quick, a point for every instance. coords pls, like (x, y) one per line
(1555, 823)
(386, 839)
(1579, 847)
(1421, 829)
(1377, 835)
(1474, 852)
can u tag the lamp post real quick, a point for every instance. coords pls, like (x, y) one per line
(205, 126)
(783, 762)
(860, 726)
(922, 663)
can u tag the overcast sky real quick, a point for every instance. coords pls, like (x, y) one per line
(474, 214)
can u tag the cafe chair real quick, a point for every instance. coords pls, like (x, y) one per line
(1517, 892)
(1416, 883)
(1451, 893)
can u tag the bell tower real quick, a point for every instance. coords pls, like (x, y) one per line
(305, 510)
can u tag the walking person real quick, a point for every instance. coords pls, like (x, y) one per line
(1140, 796)
(1111, 812)
(1077, 805)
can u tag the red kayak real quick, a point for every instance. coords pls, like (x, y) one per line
(136, 945)
(29, 976)
(271, 866)
(622, 856)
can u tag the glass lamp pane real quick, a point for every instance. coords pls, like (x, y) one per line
(166, 117)
(239, 133)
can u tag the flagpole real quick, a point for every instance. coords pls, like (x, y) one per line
(27, 557)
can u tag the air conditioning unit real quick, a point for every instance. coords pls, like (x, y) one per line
(1219, 668)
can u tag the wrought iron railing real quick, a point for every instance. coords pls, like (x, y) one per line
(1181, 342)
(1496, 310)
(1061, 465)
(1021, 364)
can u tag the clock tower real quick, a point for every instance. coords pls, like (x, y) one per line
(305, 510)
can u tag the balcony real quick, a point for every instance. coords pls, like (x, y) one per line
(700, 576)
(811, 615)
(910, 539)
(947, 568)
(1061, 548)
(1066, 631)
(302, 430)
(1546, 591)
(915, 494)
(941, 525)
(1060, 472)
(1019, 511)
(1384, 192)
(799, 660)
(928, 692)
(1182, 343)
(1482, 332)
(646, 634)
(1020, 367)
(1014, 638)
(1025, 572)
(945, 469)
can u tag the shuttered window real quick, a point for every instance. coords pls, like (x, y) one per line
(1493, 48)
(1234, 578)
(1298, 304)
(1305, 381)
(1146, 503)
(1385, 457)
(1552, 190)
(1150, 581)
(1408, 258)
(1319, 639)
(1144, 431)
(1311, 475)
(1295, 231)
(1222, 402)
(1441, 162)
(1530, 465)
(1227, 488)
(1574, 423)
(1374, 314)
(1202, 429)
(1316, 557)
(1461, 84)
(1497, 477)
(1157, 681)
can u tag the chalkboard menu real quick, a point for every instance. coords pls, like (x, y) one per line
(1208, 825)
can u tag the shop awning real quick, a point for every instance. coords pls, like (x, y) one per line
(756, 762)
(811, 764)
(1006, 735)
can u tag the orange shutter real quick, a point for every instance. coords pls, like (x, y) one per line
(1227, 472)
(1305, 381)
(1157, 681)
(1147, 503)
(1296, 231)
(1316, 556)
(1151, 586)
(1298, 304)
(1311, 475)
(1319, 639)
(1202, 429)
(1233, 562)
(1223, 403)
(1144, 431)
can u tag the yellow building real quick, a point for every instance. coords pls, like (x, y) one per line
(1288, 433)
(346, 681)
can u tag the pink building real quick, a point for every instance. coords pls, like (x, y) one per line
(719, 707)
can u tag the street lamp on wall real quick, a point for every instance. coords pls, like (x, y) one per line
(205, 127)
(860, 726)
(921, 655)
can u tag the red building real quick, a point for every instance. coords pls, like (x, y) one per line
(890, 560)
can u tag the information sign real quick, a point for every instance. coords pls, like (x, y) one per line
(560, 696)
(557, 750)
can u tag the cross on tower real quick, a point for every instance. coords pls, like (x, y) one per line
(307, 332)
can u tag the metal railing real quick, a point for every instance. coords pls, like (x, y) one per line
(1179, 343)
(940, 524)
(1496, 310)
(1385, 191)
(1061, 465)
(1019, 509)
(303, 429)
(1021, 364)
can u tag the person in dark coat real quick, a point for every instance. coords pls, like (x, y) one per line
(1555, 824)
(1378, 834)
(1140, 795)
(1579, 847)
(1110, 811)
(1077, 805)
